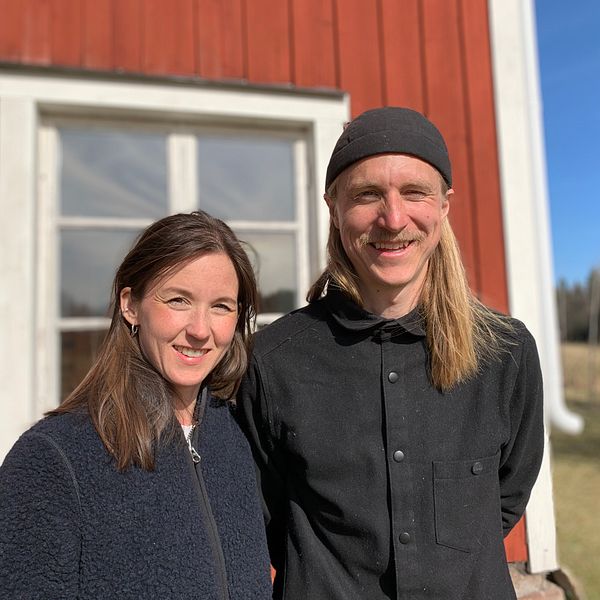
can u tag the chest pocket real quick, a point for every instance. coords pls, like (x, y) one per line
(467, 502)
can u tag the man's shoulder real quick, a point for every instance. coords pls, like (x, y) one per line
(510, 337)
(516, 332)
(294, 327)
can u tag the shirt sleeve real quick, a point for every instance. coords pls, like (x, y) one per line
(39, 522)
(257, 424)
(521, 457)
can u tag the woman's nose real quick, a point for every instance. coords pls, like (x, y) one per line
(198, 325)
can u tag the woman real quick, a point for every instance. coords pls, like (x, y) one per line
(140, 484)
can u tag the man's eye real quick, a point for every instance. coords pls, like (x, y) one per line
(415, 194)
(367, 195)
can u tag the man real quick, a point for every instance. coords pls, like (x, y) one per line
(396, 422)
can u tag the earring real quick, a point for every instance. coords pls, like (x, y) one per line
(134, 330)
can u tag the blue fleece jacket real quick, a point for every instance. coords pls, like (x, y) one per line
(72, 526)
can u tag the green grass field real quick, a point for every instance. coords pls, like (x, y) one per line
(576, 472)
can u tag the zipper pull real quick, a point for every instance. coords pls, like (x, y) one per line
(195, 456)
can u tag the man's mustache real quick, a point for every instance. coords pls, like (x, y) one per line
(403, 237)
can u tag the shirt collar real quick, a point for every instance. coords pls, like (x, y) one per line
(352, 317)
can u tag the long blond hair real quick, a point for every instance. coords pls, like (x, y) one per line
(461, 332)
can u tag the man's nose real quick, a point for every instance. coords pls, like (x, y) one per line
(393, 215)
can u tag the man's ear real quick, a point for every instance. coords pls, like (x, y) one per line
(446, 203)
(332, 212)
(128, 307)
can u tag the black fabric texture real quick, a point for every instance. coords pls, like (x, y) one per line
(72, 526)
(389, 129)
(376, 485)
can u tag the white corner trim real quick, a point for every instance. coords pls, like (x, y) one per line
(541, 527)
(527, 235)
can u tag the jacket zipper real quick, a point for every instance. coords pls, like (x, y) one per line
(213, 533)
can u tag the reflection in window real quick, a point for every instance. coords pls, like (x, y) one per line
(250, 181)
(89, 258)
(79, 349)
(111, 173)
(273, 256)
(246, 178)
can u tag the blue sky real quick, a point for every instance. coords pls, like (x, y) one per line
(569, 57)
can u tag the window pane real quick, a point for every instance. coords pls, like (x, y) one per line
(109, 173)
(274, 258)
(89, 259)
(79, 350)
(248, 178)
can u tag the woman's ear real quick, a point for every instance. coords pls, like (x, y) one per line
(128, 307)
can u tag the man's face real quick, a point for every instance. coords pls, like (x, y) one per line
(389, 210)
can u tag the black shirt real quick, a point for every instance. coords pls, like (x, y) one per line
(375, 484)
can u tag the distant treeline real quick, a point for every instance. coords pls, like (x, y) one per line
(578, 309)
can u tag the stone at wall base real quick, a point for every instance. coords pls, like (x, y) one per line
(530, 586)
(568, 582)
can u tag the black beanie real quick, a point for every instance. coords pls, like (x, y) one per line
(389, 129)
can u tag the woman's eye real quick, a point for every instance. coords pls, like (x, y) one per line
(226, 308)
(178, 301)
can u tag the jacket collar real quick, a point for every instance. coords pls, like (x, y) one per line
(352, 317)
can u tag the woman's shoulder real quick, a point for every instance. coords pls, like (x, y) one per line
(66, 435)
(63, 426)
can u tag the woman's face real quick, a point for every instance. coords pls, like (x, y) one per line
(187, 321)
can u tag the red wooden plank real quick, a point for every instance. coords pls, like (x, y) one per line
(446, 106)
(483, 154)
(268, 41)
(65, 32)
(98, 34)
(12, 28)
(36, 35)
(403, 64)
(360, 53)
(127, 41)
(220, 39)
(515, 543)
(313, 58)
(486, 185)
(168, 37)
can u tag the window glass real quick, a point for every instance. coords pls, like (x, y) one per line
(79, 349)
(88, 260)
(273, 256)
(112, 179)
(112, 173)
(246, 178)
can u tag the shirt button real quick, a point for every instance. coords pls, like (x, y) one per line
(392, 377)
(476, 468)
(404, 537)
(398, 456)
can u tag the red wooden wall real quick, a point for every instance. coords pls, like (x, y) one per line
(431, 55)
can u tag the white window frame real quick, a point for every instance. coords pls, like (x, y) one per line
(26, 99)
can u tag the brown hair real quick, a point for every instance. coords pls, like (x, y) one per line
(461, 332)
(129, 402)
